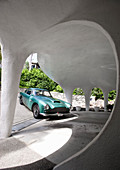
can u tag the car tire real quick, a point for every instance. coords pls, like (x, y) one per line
(36, 111)
(21, 100)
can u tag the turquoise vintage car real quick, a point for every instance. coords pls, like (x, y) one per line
(41, 103)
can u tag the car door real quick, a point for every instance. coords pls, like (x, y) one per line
(27, 97)
(24, 96)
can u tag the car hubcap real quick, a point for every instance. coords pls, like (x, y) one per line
(35, 111)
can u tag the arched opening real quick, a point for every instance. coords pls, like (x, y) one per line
(96, 100)
(78, 100)
(111, 100)
(74, 72)
(101, 99)
(33, 77)
(86, 72)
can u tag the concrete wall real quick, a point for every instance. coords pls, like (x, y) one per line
(36, 26)
(103, 151)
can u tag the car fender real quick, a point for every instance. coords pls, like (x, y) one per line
(40, 104)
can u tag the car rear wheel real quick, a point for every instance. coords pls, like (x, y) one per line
(21, 100)
(36, 111)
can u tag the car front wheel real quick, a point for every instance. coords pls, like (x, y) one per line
(36, 111)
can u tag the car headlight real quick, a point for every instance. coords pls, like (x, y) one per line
(46, 107)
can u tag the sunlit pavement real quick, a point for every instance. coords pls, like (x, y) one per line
(50, 141)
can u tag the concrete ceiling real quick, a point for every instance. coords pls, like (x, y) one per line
(77, 54)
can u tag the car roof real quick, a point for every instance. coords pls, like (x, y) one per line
(37, 89)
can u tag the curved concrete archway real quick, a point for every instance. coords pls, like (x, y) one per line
(84, 57)
(96, 153)
(16, 18)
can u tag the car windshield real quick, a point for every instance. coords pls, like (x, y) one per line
(37, 92)
(42, 92)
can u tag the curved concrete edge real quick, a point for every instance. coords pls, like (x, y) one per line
(98, 153)
(102, 151)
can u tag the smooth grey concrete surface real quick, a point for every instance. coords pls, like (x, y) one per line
(50, 141)
(100, 154)
(83, 46)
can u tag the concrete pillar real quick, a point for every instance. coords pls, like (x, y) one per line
(68, 94)
(11, 69)
(105, 100)
(87, 98)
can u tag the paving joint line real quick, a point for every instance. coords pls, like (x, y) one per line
(22, 125)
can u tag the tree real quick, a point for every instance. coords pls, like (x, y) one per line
(36, 78)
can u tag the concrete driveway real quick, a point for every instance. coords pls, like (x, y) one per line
(46, 143)
(50, 141)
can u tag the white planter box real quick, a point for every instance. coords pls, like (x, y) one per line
(78, 108)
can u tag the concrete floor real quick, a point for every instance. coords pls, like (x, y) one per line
(50, 141)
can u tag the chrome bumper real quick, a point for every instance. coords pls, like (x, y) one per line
(54, 114)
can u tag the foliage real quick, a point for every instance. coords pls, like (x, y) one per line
(36, 78)
(97, 92)
(112, 95)
(78, 91)
(59, 89)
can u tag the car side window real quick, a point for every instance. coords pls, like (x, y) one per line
(28, 92)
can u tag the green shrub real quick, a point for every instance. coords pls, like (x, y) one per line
(112, 95)
(36, 78)
(78, 91)
(97, 92)
(58, 89)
